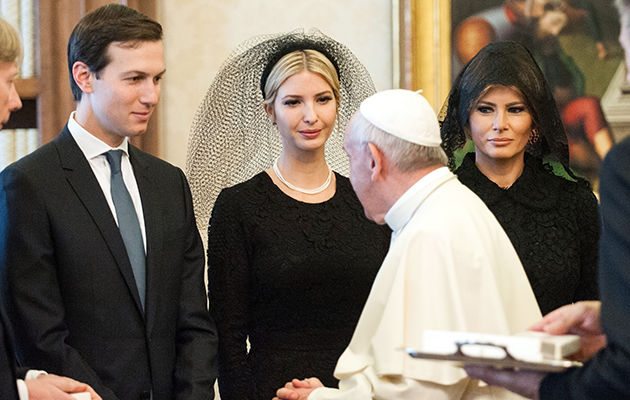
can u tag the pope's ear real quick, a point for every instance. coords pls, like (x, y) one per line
(82, 76)
(377, 160)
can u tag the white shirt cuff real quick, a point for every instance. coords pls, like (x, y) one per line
(22, 389)
(34, 373)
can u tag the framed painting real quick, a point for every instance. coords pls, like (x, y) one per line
(574, 42)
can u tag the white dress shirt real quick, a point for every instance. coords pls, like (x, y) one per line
(94, 150)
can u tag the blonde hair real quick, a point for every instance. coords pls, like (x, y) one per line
(300, 61)
(10, 45)
(405, 156)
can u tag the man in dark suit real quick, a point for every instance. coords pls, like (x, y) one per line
(101, 261)
(12, 383)
(605, 375)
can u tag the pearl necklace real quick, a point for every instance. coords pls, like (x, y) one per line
(297, 189)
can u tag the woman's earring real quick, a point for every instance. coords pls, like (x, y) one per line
(533, 137)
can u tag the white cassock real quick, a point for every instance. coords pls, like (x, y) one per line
(450, 266)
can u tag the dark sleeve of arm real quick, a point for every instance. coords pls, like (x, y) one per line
(195, 368)
(21, 372)
(228, 283)
(30, 288)
(605, 375)
(588, 222)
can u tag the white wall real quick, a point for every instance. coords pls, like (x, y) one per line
(200, 34)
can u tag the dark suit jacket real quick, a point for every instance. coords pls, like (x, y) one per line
(8, 376)
(69, 286)
(607, 374)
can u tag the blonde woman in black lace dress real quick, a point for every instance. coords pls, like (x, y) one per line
(291, 256)
(500, 101)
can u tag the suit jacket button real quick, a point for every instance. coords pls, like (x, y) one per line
(145, 396)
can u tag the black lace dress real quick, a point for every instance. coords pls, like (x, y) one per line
(291, 276)
(553, 224)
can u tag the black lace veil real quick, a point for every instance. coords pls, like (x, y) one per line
(507, 64)
(232, 138)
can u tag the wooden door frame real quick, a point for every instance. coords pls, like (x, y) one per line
(55, 21)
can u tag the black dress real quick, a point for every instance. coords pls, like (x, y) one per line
(291, 276)
(553, 224)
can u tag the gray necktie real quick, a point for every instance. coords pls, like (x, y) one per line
(128, 222)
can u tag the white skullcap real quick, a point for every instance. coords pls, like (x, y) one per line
(404, 114)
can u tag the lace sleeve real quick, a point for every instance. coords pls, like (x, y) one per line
(589, 226)
(228, 282)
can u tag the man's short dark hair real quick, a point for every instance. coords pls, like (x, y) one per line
(91, 37)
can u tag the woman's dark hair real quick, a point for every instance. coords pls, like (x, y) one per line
(93, 34)
(507, 64)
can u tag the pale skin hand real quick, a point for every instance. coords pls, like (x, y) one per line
(581, 318)
(524, 383)
(298, 389)
(53, 387)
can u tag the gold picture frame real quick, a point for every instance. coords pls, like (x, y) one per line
(422, 48)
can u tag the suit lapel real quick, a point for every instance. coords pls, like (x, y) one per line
(81, 177)
(151, 208)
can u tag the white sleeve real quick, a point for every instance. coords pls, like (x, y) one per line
(34, 373)
(367, 386)
(22, 389)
